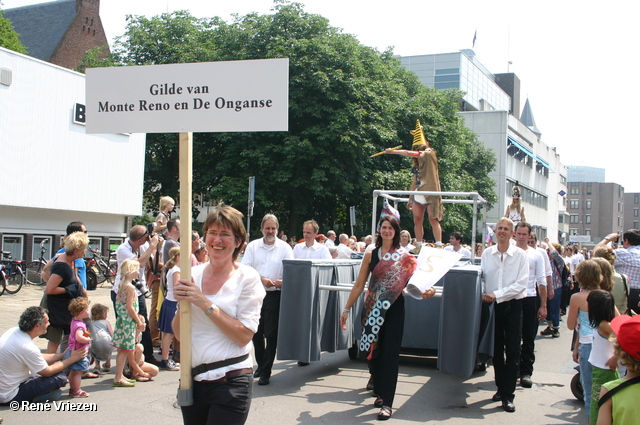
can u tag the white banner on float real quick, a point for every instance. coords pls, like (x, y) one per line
(433, 263)
(231, 96)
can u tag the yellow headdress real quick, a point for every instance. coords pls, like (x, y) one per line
(418, 135)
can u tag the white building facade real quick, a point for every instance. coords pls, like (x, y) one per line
(490, 108)
(53, 172)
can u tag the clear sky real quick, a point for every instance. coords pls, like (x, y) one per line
(575, 59)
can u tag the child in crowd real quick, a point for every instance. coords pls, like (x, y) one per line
(618, 404)
(79, 337)
(101, 348)
(589, 275)
(604, 363)
(150, 370)
(169, 305)
(128, 324)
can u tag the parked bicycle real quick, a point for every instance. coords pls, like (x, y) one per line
(12, 275)
(34, 268)
(106, 269)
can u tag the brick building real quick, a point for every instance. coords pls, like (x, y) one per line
(631, 210)
(60, 31)
(595, 209)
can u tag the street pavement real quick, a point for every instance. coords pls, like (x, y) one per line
(330, 391)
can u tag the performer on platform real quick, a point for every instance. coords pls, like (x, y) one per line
(515, 210)
(425, 178)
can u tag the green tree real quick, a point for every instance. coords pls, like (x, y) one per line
(9, 38)
(346, 102)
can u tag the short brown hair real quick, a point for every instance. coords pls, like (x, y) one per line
(313, 224)
(78, 305)
(230, 217)
(98, 311)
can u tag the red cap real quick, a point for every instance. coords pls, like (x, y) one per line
(627, 329)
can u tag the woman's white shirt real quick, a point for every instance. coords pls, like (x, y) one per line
(241, 298)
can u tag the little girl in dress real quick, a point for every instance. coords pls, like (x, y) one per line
(128, 324)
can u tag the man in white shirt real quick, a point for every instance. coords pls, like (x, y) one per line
(310, 249)
(344, 252)
(331, 238)
(132, 249)
(25, 373)
(455, 241)
(505, 271)
(534, 309)
(265, 255)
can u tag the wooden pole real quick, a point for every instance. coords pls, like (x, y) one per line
(185, 393)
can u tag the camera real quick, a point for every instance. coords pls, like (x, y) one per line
(141, 287)
(151, 228)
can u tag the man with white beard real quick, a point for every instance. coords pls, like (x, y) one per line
(265, 255)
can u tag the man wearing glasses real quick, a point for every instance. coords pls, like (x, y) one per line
(130, 250)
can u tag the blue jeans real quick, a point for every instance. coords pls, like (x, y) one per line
(553, 307)
(585, 374)
(39, 388)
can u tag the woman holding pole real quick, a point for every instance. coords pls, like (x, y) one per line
(226, 298)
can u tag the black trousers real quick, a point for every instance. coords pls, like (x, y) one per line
(267, 333)
(506, 348)
(384, 366)
(530, 306)
(220, 403)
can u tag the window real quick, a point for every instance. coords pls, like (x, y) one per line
(94, 243)
(587, 232)
(561, 218)
(114, 243)
(573, 231)
(587, 204)
(635, 225)
(563, 180)
(588, 188)
(574, 204)
(573, 218)
(37, 249)
(575, 191)
(636, 198)
(636, 211)
(587, 219)
(13, 244)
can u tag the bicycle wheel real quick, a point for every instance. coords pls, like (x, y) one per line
(14, 282)
(113, 271)
(33, 273)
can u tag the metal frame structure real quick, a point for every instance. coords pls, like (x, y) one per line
(473, 198)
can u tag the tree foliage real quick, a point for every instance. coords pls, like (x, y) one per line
(346, 102)
(9, 38)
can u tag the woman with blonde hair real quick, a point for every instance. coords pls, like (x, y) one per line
(62, 286)
(515, 210)
(620, 290)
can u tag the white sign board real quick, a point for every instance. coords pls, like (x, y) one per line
(579, 238)
(251, 95)
(433, 263)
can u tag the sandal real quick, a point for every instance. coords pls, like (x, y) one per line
(90, 375)
(143, 378)
(123, 384)
(78, 394)
(378, 403)
(106, 369)
(384, 414)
